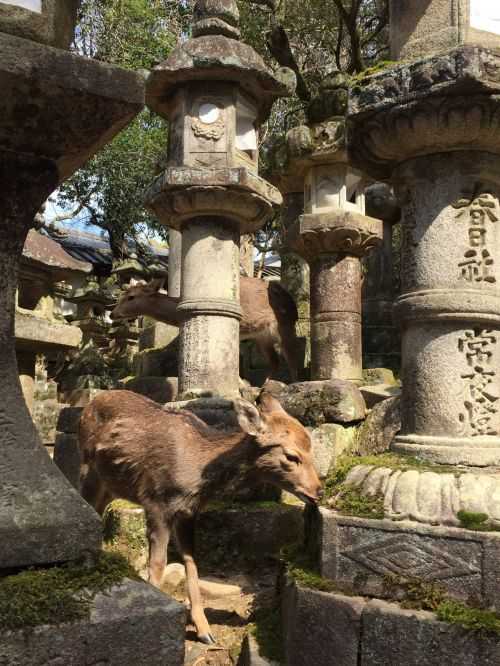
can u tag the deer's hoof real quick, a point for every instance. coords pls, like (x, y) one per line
(208, 639)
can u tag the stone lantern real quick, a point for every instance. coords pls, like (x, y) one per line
(215, 91)
(422, 27)
(50, 22)
(332, 235)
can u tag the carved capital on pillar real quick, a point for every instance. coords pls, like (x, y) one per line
(181, 193)
(436, 105)
(341, 231)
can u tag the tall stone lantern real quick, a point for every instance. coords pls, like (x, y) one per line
(431, 126)
(215, 91)
(332, 235)
(50, 22)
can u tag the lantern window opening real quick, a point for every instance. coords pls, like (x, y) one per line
(246, 128)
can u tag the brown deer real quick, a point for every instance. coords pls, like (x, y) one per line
(269, 315)
(172, 463)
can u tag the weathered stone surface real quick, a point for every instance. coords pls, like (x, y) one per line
(419, 29)
(380, 427)
(391, 635)
(378, 376)
(67, 457)
(250, 654)
(328, 442)
(80, 105)
(31, 330)
(320, 628)
(361, 553)
(430, 497)
(157, 334)
(250, 531)
(376, 393)
(316, 403)
(80, 398)
(131, 624)
(53, 23)
(69, 418)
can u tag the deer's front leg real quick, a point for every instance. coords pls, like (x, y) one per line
(158, 533)
(185, 540)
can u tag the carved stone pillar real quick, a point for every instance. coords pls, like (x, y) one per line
(333, 244)
(215, 91)
(381, 343)
(447, 179)
(174, 262)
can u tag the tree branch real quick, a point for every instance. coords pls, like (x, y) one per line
(279, 47)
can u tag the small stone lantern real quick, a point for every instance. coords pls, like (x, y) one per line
(421, 28)
(332, 235)
(50, 22)
(215, 91)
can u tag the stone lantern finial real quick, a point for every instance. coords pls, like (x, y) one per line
(216, 17)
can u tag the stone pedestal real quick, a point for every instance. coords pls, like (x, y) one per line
(215, 91)
(333, 244)
(447, 181)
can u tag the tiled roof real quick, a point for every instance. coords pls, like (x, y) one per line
(42, 250)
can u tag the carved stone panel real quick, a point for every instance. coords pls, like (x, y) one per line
(362, 554)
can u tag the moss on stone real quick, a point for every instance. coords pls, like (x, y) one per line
(350, 501)
(478, 522)
(266, 628)
(245, 507)
(474, 619)
(345, 463)
(58, 594)
(125, 529)
(370, 71)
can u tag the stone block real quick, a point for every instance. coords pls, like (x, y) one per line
(318, 402)
(45, 334)
(320, 628)
(378, 376)
(328, 442)
(159, 389)
(380, 428)
(361, 553)
(67, 457)
(376, 393)
(69, 418)
(132, 623)
(157, 335)
(393, 636)
(250, 654)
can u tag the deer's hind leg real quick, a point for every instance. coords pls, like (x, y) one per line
(158, 534)
(184, 532)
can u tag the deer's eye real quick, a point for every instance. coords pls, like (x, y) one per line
(292, 458)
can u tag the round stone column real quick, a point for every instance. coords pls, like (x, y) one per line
(449, 308)
(209, 337)
(442, 150)
(333, 244)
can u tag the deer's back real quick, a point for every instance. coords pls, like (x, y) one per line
(141, 452)
(266, 307)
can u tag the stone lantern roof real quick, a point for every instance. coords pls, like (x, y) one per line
(216, 54)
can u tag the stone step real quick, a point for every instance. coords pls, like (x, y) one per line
(132, 623)
(331, 629)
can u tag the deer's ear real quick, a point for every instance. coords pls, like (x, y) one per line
(155, 285)
(248, 417)
(268, 403)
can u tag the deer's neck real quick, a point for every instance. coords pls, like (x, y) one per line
(228, 463)
(164, 308)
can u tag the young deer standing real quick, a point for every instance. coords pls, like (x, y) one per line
(173, 463)
(269, 315)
